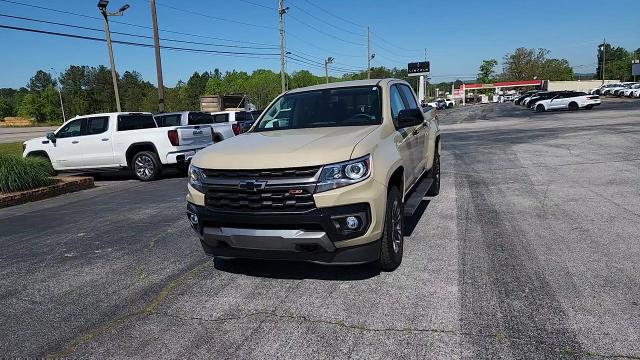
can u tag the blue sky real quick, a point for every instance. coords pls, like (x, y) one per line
(458, 35)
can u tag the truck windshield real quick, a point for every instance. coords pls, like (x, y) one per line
(352, 106)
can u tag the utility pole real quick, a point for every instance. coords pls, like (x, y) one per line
(64, 118)
(102, 6)
(327, 61)
(156, 45)
(368, 53)
(281, 11)
(604, 56)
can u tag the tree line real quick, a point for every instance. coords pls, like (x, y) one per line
(528, 64)
(88, 89)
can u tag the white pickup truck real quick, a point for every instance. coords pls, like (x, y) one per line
(221, 127)
(113, 141)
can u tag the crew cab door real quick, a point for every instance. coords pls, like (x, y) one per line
(404, 142)
(95, 144)
(63, 152)
(419, 134)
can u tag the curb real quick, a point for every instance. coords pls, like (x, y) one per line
(63, 185)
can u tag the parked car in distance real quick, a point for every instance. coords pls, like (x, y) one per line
(568, 101)
(333, 170)
(520, 99)
(628, 92)
(439, 104)
(635, 93)
(530, 101)
(220, 131)
(114, 141)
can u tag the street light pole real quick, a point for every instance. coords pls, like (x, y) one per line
(102, 6)
(64, 118)
(156, 45)
(604, 54)
(327, 61)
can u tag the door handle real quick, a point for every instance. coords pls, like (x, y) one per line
(105, 139)
(74, 141)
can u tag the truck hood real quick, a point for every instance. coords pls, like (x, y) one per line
(283, 148)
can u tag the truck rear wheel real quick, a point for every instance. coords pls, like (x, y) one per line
(146, 165)
(392, 241)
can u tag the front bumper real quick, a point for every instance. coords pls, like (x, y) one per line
(308, 236)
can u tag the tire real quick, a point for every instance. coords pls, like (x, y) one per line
(434, 173)
(392, 240)
(574, 106)
(540, 108)
(146, 165)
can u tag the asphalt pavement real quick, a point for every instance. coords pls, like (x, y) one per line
(530, 251)
(20, 134)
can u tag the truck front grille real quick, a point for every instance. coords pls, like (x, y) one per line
(263, 174)
(263, 200)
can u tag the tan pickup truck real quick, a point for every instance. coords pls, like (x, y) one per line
(326, 174)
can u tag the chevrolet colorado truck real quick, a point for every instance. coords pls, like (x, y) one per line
(112, 141)
(326, 174)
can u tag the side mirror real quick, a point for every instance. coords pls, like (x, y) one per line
(52, 137)
(410, 117)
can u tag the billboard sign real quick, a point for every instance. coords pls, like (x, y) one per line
(418, 68)
(635, 69)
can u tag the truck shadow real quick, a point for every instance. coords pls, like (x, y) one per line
(410, 222)
(279, 269)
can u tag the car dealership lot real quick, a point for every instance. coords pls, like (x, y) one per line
(531, 250)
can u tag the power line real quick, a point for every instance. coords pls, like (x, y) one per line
(215, 17)
(83, 37)
(259, 5)
(322, 63)
(324, 32)
(133, 25)
(324, 21)
(334, 15)
(134, 35)
(394, 45)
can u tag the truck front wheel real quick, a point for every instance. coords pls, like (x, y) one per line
(146, 165)
(392, 241)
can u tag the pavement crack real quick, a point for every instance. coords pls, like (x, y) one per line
(147, 310)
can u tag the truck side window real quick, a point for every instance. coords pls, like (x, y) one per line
(408, 96)
(397, 104)
(221, 118)
(96, 125)
(135, 122)
(72, 129)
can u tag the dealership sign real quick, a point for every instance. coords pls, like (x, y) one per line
(418, 68)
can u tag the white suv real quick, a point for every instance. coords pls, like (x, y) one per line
(568, 101)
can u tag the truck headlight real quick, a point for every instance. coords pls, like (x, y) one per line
(341, 174)
(196, 178)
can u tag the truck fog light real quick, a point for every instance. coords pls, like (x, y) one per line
(352, 222)
(193, 218)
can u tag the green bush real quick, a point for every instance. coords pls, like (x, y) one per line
(18, 174)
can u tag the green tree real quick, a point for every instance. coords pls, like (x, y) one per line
(262, 87)
(76, 86)
(556, 69)
(30, 106)
(40, 81)
(524, 64)
(303, 78)
(487, 73)
(49, 104)
(195, 87)
(6, 108)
